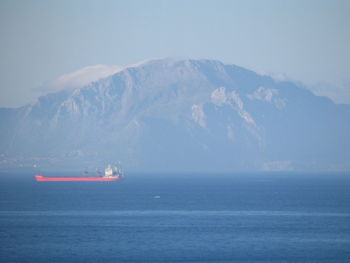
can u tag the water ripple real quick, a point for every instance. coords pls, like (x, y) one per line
(173, 213)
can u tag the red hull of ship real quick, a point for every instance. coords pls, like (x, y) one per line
(42, 178)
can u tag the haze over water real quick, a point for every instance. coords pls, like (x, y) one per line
(263, 217)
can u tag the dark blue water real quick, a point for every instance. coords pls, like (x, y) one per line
(208, 218)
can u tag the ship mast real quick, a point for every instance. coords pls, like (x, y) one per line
(86, 172)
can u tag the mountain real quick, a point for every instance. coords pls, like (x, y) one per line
(180, 115)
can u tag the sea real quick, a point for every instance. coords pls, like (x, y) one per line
(238, 217)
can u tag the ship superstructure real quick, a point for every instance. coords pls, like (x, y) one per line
(112, 171)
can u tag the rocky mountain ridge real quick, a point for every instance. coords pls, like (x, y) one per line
(181, 115)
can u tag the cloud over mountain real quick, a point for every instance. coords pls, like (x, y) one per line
(81, 77)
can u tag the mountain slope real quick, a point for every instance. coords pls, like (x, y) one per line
(182, 115)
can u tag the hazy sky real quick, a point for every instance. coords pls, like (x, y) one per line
(307, 41)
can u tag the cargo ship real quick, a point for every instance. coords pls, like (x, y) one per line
(111, 173)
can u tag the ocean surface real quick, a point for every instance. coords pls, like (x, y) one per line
(266, 217)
